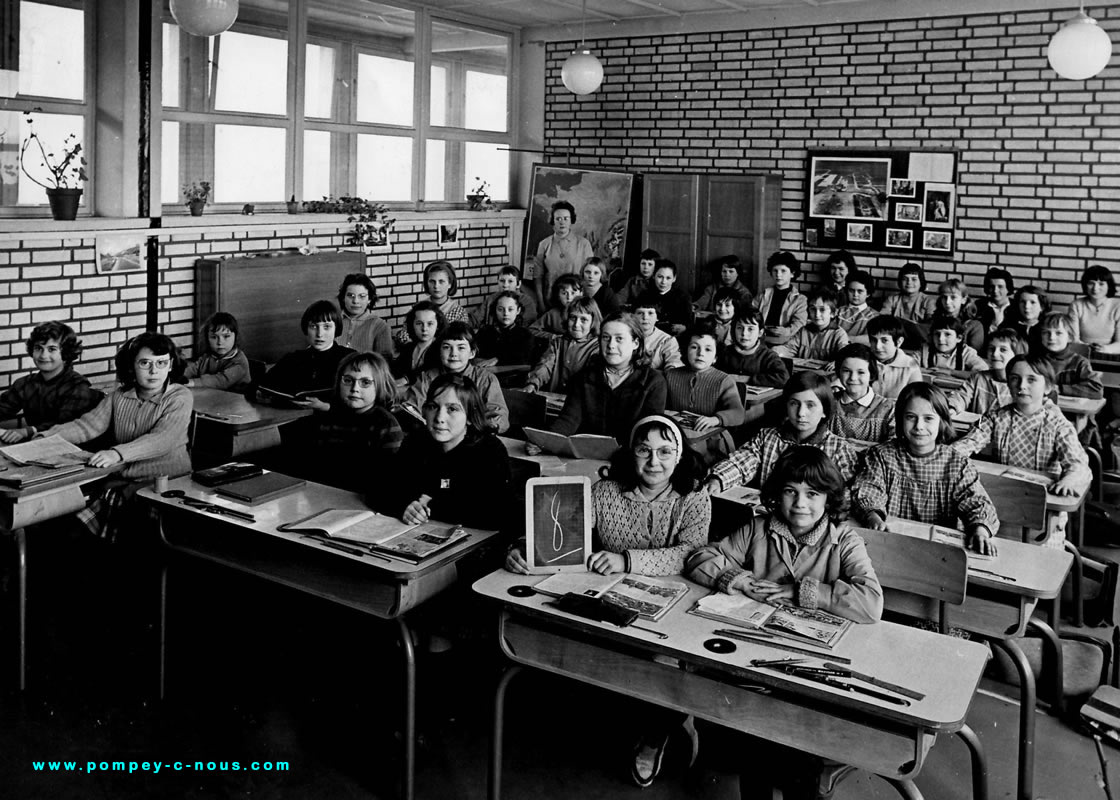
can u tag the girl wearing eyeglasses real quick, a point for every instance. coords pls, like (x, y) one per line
(147, 419)
(358, 436)
(650, 512)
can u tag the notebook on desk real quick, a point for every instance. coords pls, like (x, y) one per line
(260, 488)
(23, 477)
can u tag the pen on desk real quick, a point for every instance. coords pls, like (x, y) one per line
(658, 634)
(336, 546)
(998, 575)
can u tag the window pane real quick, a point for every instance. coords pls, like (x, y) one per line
(170, 65)
(316, 165)
(435, 171)
(477, 77)
(319, 88)
(9, 157)
(52, 130)
(252, 73)
(248, 164)
(169, 193)
(384, 167)
(485, 101)
(439, 89)
(486, 162)
(51, 51)
(384, 90)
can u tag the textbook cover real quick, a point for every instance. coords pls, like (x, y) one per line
(582, 445)
(260, 488)
(650, 598)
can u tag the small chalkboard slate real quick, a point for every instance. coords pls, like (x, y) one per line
(557, 524)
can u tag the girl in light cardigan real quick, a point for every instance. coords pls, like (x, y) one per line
(784, 309)
(147, 419)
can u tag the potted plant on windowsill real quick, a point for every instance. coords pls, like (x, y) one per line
(478, 198)
(196, 194)
(65, 174)
(372, 224)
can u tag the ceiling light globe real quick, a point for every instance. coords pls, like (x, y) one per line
(1080, 49)
(582, 73)
(204, 17)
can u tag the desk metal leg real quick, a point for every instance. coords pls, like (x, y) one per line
(1026, 716)
(1053, 665)
(21, 577)
(499, 731)
(409, 777)
(979, 763)
(163, 630)
(905, 788)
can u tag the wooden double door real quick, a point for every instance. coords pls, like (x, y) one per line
(695, 220)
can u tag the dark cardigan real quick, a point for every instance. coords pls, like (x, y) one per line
(594, 407)
(470, 484)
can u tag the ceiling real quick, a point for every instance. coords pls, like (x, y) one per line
(543, 13)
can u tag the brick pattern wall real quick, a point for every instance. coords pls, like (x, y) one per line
(1039, 167)
(52, 276)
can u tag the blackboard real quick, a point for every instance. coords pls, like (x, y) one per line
(557, 524)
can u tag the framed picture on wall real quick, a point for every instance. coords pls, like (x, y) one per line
(849, 188)
(941, 241)
(902, 187)
(602, 202)
(448, 234)
(908, 212)
(939, 205)
(901, 238)
(859, 232)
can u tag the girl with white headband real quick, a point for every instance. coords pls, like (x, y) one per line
(650, 513)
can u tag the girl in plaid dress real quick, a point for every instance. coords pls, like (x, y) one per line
(919, 477)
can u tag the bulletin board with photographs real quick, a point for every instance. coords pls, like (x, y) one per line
(902, 202)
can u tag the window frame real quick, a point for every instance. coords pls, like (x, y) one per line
(343, 126)
(86, 109)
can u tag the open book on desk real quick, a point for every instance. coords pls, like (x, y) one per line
(582, 445)
(934, 533)
(50, 452)
(382, 534)
(807, 625)
(309, 394)
(650, 598)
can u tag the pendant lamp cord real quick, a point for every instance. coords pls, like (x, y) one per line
(583, 23)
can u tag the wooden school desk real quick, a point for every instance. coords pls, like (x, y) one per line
(547, 465)
(228, 426)
(887, 739)
(1074, 505)
(757, 395)
(22, 507)
(382, 587)
(1003, 594)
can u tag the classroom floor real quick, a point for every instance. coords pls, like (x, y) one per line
(260, 673)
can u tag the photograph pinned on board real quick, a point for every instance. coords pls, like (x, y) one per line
(908, 212)
(939, 205)
(859, 231)
(810, 237)
(900, 238)
(902, 187)
(849, 188)
(938, 241)
(449, 234)
(830, 229)
(124, 253)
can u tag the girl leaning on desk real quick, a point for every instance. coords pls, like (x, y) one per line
(146, 419)
(650, 512)
(795, 555)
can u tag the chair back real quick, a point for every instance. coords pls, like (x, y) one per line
(920, 578)
(1019, 504)
(526, 409)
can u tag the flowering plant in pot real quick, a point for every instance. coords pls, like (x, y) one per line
(196, 195)
(478, 198)
(63, 173)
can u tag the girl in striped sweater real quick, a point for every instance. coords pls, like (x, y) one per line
(708, 396)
